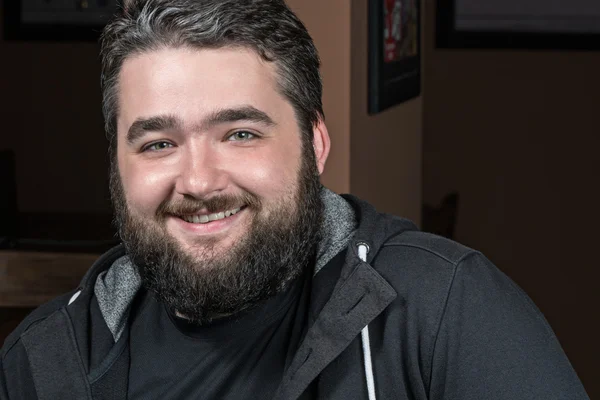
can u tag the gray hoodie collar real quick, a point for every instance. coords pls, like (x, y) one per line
(116, 287)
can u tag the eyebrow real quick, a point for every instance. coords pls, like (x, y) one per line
(244, 113)
(168, 122)
(153, 124)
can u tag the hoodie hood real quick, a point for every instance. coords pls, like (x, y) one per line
(116, 287)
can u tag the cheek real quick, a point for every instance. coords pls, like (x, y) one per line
(145, 187)
(274, 174)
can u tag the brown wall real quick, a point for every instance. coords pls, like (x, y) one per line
(328, 22)
(385, 151)
(516, 133)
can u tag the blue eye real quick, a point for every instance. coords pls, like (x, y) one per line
(241, 136)
(157, 146)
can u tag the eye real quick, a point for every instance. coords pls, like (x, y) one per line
(157, 146)
(241, 136)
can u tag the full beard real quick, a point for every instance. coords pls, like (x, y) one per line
(204, 282)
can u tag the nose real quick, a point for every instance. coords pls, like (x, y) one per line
(201, 172)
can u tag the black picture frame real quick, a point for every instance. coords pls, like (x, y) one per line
(18, 29)
(392, 82)
(449, 37)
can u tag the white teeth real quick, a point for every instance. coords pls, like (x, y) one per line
(202, 219)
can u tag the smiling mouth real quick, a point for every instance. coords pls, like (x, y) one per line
(206, 218)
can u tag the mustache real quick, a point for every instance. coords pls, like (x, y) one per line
(189, 205)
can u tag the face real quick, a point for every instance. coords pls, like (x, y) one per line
(216, 193)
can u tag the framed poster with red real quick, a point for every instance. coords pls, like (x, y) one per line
(394, 52)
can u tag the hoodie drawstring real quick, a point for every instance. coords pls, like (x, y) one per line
(74, 297)
(363, 249)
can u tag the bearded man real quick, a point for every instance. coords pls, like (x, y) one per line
(240, 276)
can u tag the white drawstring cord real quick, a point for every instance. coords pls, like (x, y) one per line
(363, 249)
(74, 297)
(368, 365)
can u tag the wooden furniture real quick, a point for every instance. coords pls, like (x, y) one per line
(29, 279)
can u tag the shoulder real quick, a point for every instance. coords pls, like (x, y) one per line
(421, 257)
(433, 273)
(415, 255)
(426, 269)
(78, 309)
(16, 379)
(37, 316)
(430, 246)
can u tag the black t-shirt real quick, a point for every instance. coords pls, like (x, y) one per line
(239, 357)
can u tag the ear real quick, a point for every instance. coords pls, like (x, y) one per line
(321, 144)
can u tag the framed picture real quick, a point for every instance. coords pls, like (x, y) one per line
(518, 24)
(394, 52)
(56, 20)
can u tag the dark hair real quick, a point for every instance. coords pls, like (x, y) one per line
(268, 27)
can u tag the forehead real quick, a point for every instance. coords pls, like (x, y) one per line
(192, 83)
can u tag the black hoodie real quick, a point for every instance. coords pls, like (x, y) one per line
(405, 315)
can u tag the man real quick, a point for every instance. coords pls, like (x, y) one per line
(240, 277)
